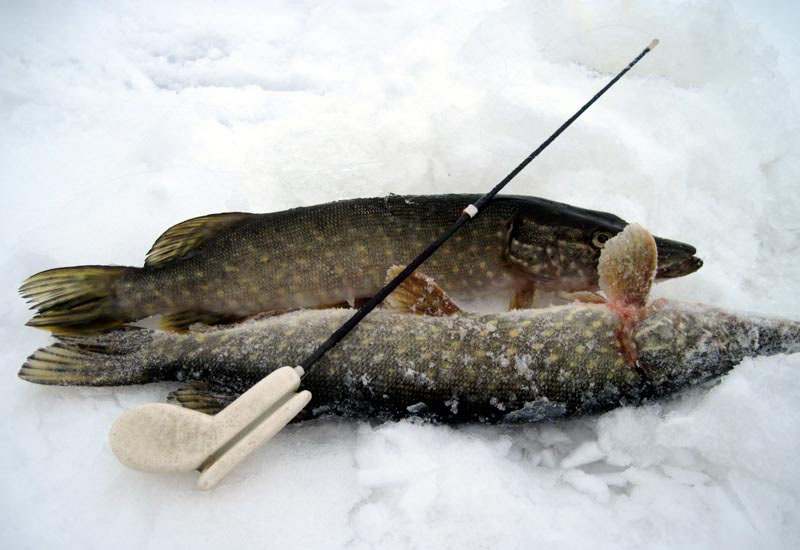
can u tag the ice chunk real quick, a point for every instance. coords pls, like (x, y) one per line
(587, 484)
(586, 453)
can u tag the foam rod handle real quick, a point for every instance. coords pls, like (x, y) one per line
(158, 437)
(168, 438)
(241, 447)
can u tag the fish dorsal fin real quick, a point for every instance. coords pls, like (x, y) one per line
(627, 267)
(182, 240)
(201, 397)
(419, 294)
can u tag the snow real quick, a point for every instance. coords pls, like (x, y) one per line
(122, 118)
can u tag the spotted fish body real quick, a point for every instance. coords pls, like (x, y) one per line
(509, 367)
(226, 267)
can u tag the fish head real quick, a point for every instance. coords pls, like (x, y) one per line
(681, 345)
(558, 246)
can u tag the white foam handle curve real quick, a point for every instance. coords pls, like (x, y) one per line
(167, 438)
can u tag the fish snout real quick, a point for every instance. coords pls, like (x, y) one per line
(676, 259)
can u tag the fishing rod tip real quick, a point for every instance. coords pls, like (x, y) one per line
(653, 44)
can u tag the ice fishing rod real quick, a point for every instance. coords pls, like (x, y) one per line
(467, 214)
(158, 437)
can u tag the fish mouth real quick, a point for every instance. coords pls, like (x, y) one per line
(676, 259)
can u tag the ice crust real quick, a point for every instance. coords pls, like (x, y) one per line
(121, 119)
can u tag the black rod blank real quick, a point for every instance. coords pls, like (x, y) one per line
(467, 214)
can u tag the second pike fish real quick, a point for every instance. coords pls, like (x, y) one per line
(225, 267)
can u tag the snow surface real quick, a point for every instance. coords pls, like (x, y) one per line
(122, 118)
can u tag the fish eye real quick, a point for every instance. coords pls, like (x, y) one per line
(600, 238)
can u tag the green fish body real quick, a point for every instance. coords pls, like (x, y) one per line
(226, 267)
(518, 366)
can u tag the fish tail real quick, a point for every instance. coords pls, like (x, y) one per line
(74, 299)
(112, 359)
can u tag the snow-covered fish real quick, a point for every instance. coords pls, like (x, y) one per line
(225, 267)
(504, 367)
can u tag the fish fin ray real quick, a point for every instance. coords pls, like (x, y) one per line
(183, 240)
(74, 299)
(195, 320)
(523, 298)
(419, 294)
(108, 360)
(202, 397)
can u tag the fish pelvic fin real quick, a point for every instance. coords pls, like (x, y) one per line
(74, 299)
(202, 397)
(523, 298)
(185, 239)
(419, 294)
(105, 360)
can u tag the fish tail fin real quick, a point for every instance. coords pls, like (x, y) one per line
(74, 299)
(93, 360)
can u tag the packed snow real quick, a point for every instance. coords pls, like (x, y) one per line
(122, 118)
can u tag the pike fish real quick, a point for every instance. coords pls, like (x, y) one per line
(226, 267)
(446, 365)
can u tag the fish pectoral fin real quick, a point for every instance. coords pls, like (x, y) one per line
(186, 238)
(419, 294)
(195, 321)
(202, 397)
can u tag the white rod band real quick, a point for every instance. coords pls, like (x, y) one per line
(471, 210)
